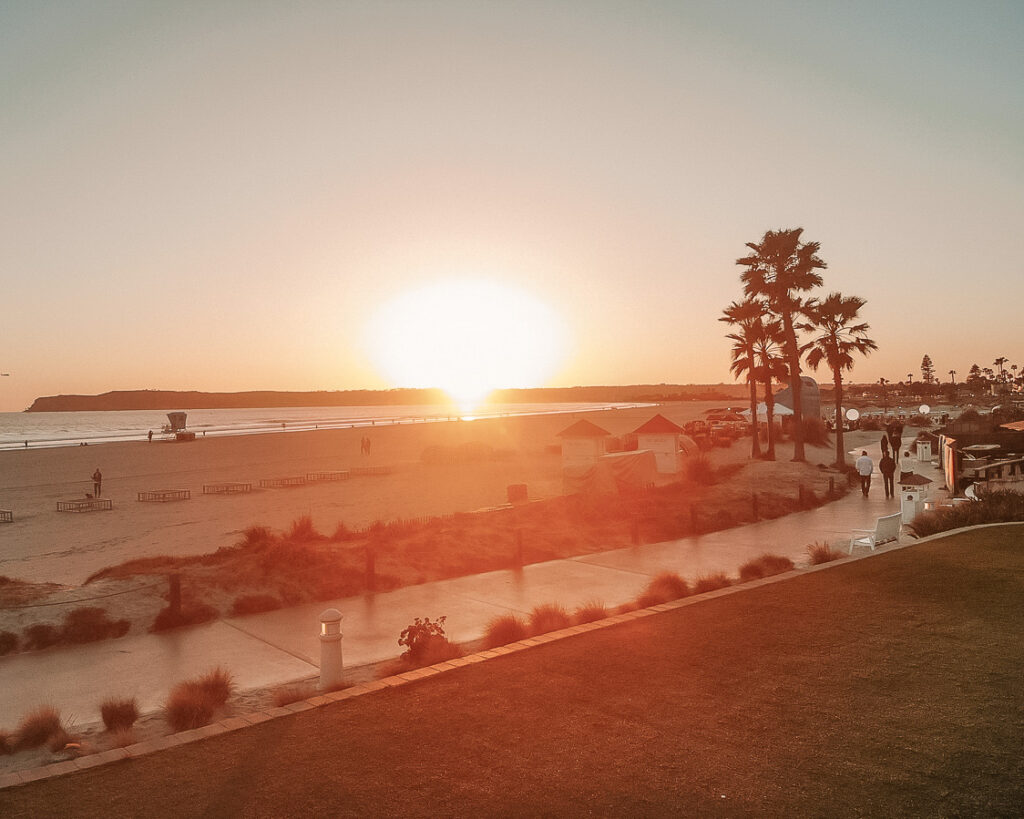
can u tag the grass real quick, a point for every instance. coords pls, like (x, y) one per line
(589, 612)
(504, 630)
(548, 617)
(879, 692)
(765, 566)
(88, 624)
(119, 714)
(663, 588)
(193, 703)
(819, 553)
(711, 582)
(37, 727)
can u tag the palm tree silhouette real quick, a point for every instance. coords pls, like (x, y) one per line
(838, 336)
(745, 316)
(780, 270)
(999, 362)
(770, 366)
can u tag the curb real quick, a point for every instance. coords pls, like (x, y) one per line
(243, 721)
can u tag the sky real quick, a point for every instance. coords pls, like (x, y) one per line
(229, 196)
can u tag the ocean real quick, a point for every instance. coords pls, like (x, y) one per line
(56, 429)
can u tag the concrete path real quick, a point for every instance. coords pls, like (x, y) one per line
(282, 646)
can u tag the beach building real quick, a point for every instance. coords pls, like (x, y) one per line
(669, 443)
(809, 394)
(582, 444)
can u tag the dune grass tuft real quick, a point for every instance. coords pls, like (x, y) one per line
(193, 703)
(711, 582)
(764, 566)
(822, 553)
(504, 630)
(119, 714)
(37, 727)
(663, 588)
(589, 612)
(548, 617)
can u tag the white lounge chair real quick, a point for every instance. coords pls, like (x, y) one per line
(886, 529)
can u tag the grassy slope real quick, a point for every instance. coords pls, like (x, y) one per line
(887, 686)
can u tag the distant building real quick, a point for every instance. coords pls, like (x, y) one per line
(810, 398)
(583, 443)
(668, 441)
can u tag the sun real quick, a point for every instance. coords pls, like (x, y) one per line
(467, 337)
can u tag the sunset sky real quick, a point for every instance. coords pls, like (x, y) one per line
(229, 195)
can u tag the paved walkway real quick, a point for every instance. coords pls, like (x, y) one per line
(282, 646)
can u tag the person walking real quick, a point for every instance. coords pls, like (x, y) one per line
(887, 466)
(865, 466)
(97, 482)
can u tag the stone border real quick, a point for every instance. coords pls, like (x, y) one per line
(242, 721)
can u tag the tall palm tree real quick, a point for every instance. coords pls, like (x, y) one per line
(745, 316)
(770, 366)
(999, 362)
(838, 336)
(952, 376)
(780, 270)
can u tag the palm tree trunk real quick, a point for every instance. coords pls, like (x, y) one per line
(769, 404)
(837, 381)
(793, 359)
(755, 445)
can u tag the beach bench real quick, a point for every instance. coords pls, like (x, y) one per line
(6, 516)
(226, 488)
(339, 475)
(85, 505)
(164, 495)
(280, 483)
(886, 529)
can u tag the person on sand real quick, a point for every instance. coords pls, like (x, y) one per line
(887, 466)
(885, 444)
(865, 466)
(97, 482)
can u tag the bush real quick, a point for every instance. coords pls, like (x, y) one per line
(663, 588)
(504, 630)
(822, 553)
(815, 431)
(548, 617)
(88, 624)
(257, 536)
(37, 728)
(419, 636)
(342, 533)
(119, 714)
(303, 531)
(589, 612)
(188, 706)
(254, 604)
(190, 615)
(711, 582)
(1000, 506)
(217, 684)
(764, 566)
(699, 470)
(8, 642)
(41, 635)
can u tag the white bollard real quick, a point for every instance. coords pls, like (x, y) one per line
(330, 650)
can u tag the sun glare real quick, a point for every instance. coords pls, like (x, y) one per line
(467, 337)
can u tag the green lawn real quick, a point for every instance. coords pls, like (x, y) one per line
(890, 686)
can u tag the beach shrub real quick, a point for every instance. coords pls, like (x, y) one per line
(764, 566)
(8, 642)
(188, 707)
(41, 635)
(425, 642)
(37, 727)
(119, 714)
(88, 624)
(822, 553)
(342, 533)
(815, 431)
(663, 588)
(699, 470)
(217, 684)
(711, 582)
(998, 506)
(589, 612)
(303, 531)
(255, 604)
(626, 608)
(548, 617)
(504, 630)
(190, 615)
(257, 536)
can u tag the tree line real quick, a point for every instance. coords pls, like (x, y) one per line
(779, 324)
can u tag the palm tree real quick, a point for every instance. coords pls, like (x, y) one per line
(780, 269)
(952, 376)
(837, 338)
(745, 316)
(770, 366)
(999, 362)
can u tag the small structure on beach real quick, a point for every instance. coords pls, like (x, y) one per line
(810, 397)
(668, 441)
(582, 444)
(615, 472)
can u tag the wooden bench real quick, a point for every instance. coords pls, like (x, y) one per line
(340, 475)
(886, 529)
(6, 516)
(164, 495)
(226, 488)
(85, 505)
(279, 483)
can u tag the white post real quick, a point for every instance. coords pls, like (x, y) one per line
(330, 650)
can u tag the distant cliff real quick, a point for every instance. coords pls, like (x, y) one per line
(172, 400)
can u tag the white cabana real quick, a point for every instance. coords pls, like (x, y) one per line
(762, 411)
